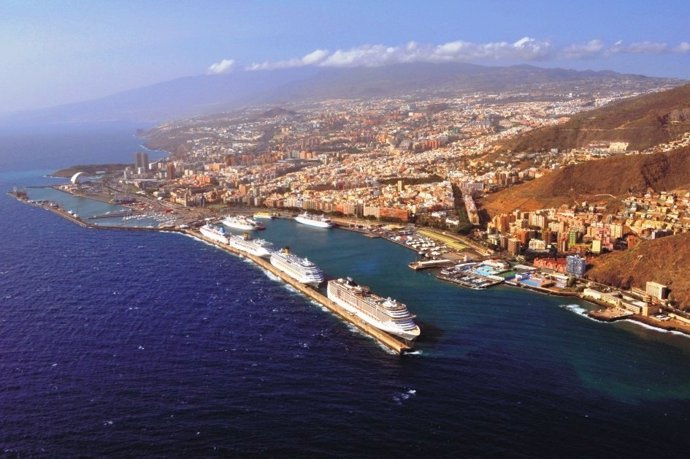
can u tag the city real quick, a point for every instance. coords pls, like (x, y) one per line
(377, 166)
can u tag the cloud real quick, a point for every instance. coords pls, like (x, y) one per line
(642, 47)
(314, 58)
(368, 55)
(683, 47)
(223, 66)
(526, 49)
(591, 49)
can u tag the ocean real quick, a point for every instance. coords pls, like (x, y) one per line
(142, 344)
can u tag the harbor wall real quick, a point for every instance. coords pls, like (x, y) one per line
(396, 344)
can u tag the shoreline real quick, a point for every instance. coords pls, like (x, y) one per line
(664, 326)
(398, 345)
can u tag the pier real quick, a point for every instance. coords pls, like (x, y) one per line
(396, 344)
(121, 213)
(429, 264)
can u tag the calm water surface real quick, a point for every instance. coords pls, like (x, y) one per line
(137, 344)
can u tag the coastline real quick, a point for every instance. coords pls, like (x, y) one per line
(396, 345)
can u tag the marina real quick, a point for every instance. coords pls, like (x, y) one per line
(429, 264)
(467, 275)
(396, 344)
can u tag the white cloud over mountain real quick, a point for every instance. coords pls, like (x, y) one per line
(526, 49)
(224, 66)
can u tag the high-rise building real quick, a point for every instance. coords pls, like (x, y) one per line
(514, 246)
(141, 162)
(575, 265)
(170, 171)
(658, 291)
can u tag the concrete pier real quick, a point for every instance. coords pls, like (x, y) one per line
(396, 344)
(429, 264)
(392, 342)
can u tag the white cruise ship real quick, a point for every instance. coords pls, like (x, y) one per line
(385, 314)
(215, 233)
(243, 223)
(263, 215)
(314, 220)
(301, 269)
(256, 247)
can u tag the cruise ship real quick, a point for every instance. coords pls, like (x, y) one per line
(301, 269)
(385, 314)
(314, 220)
(264, 215)
(243, 223)
(256, 247)
(215, 233)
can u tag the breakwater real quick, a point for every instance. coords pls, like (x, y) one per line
(396, 344)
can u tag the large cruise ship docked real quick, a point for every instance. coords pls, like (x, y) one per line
(314, 220)
(385, 314)
(257, 247)
(264, 215)
(301, 269)
(215, 233)
(243, 223)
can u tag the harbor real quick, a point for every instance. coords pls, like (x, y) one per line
(391, 342)
(473, 275)
(396, 344)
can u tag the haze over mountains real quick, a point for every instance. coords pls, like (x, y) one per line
(206, 94)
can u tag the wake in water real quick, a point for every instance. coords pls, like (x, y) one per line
(580, 311)
(271, 276)
(657, 329)
(400, 397)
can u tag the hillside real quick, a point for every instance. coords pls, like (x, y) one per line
(615, 176)
(642, 121)
(665, 260)
(207, 94)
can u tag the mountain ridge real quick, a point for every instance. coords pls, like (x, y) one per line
(611, 176)
(642, 122)
(206, 94)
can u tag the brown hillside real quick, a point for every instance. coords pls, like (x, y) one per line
(642, 121)
(665, 260)
(615, 176)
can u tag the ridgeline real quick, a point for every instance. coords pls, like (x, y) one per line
(595, 180)
(642, 121)
(662, 260)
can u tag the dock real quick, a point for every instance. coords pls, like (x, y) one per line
(429, 264)
(394, 343)
(470, 280)
(610, 314)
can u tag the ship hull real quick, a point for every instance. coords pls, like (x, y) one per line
(312, 278)
(314, 223)
(252, 249)
(242, 224)
(214, 236)
(388, 327)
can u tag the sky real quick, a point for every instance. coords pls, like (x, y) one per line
(54, 52)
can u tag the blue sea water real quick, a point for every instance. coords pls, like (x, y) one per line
(155, 344)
